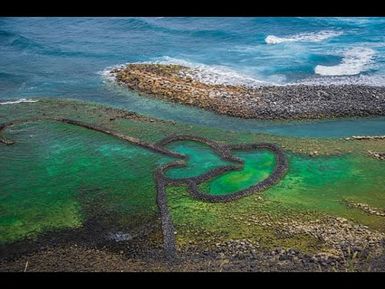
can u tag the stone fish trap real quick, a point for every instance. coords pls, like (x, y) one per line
(161, 180)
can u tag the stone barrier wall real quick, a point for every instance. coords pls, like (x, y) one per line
(161, 180)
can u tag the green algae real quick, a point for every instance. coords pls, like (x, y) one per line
(201, 159)
(205, 224)
(323, 183)
(57, 176)
(313, 187)
(257, 167)
(53, 169)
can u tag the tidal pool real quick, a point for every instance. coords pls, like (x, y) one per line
(201, 159)
(322, 183)
(257, 167)
(58, 176)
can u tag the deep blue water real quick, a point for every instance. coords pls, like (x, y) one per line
(66, 57)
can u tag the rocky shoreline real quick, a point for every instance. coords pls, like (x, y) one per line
(244, 255)
(177, 83)
(352, 247)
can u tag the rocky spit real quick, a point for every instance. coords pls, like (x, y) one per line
(177, 83)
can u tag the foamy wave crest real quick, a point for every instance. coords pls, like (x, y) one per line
(106, 73)
(214, 74)
(21, 100)
(355, 61)
(303, 37)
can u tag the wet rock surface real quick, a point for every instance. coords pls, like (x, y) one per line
(234, 255)
(176, 83)
(344, 246)
(377, 155)
(339, 234)
(366, 208)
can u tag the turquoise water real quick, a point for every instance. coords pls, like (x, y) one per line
(57, 176)
(66, 58)
(257, 167)
(201, 159)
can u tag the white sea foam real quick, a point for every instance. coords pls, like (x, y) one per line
(303, 37)
(106, 73)
(214, 74)
(210, 74)
(354, 61)
(21, 100)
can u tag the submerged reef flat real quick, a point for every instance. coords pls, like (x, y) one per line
(83, 195)
(180, 84)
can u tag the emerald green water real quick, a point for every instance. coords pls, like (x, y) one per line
(312, 183)
(322, 183)
(201, 159)
(257, 167)
(57, 175)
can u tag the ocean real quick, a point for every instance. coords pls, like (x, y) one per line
(70, 57)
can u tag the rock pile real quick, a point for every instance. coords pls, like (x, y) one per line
(175, 83)
(377, 155)
(366, 208)
(339, 234)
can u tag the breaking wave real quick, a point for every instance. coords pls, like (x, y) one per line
(303, 37)
(354, 61)
(21, 100)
